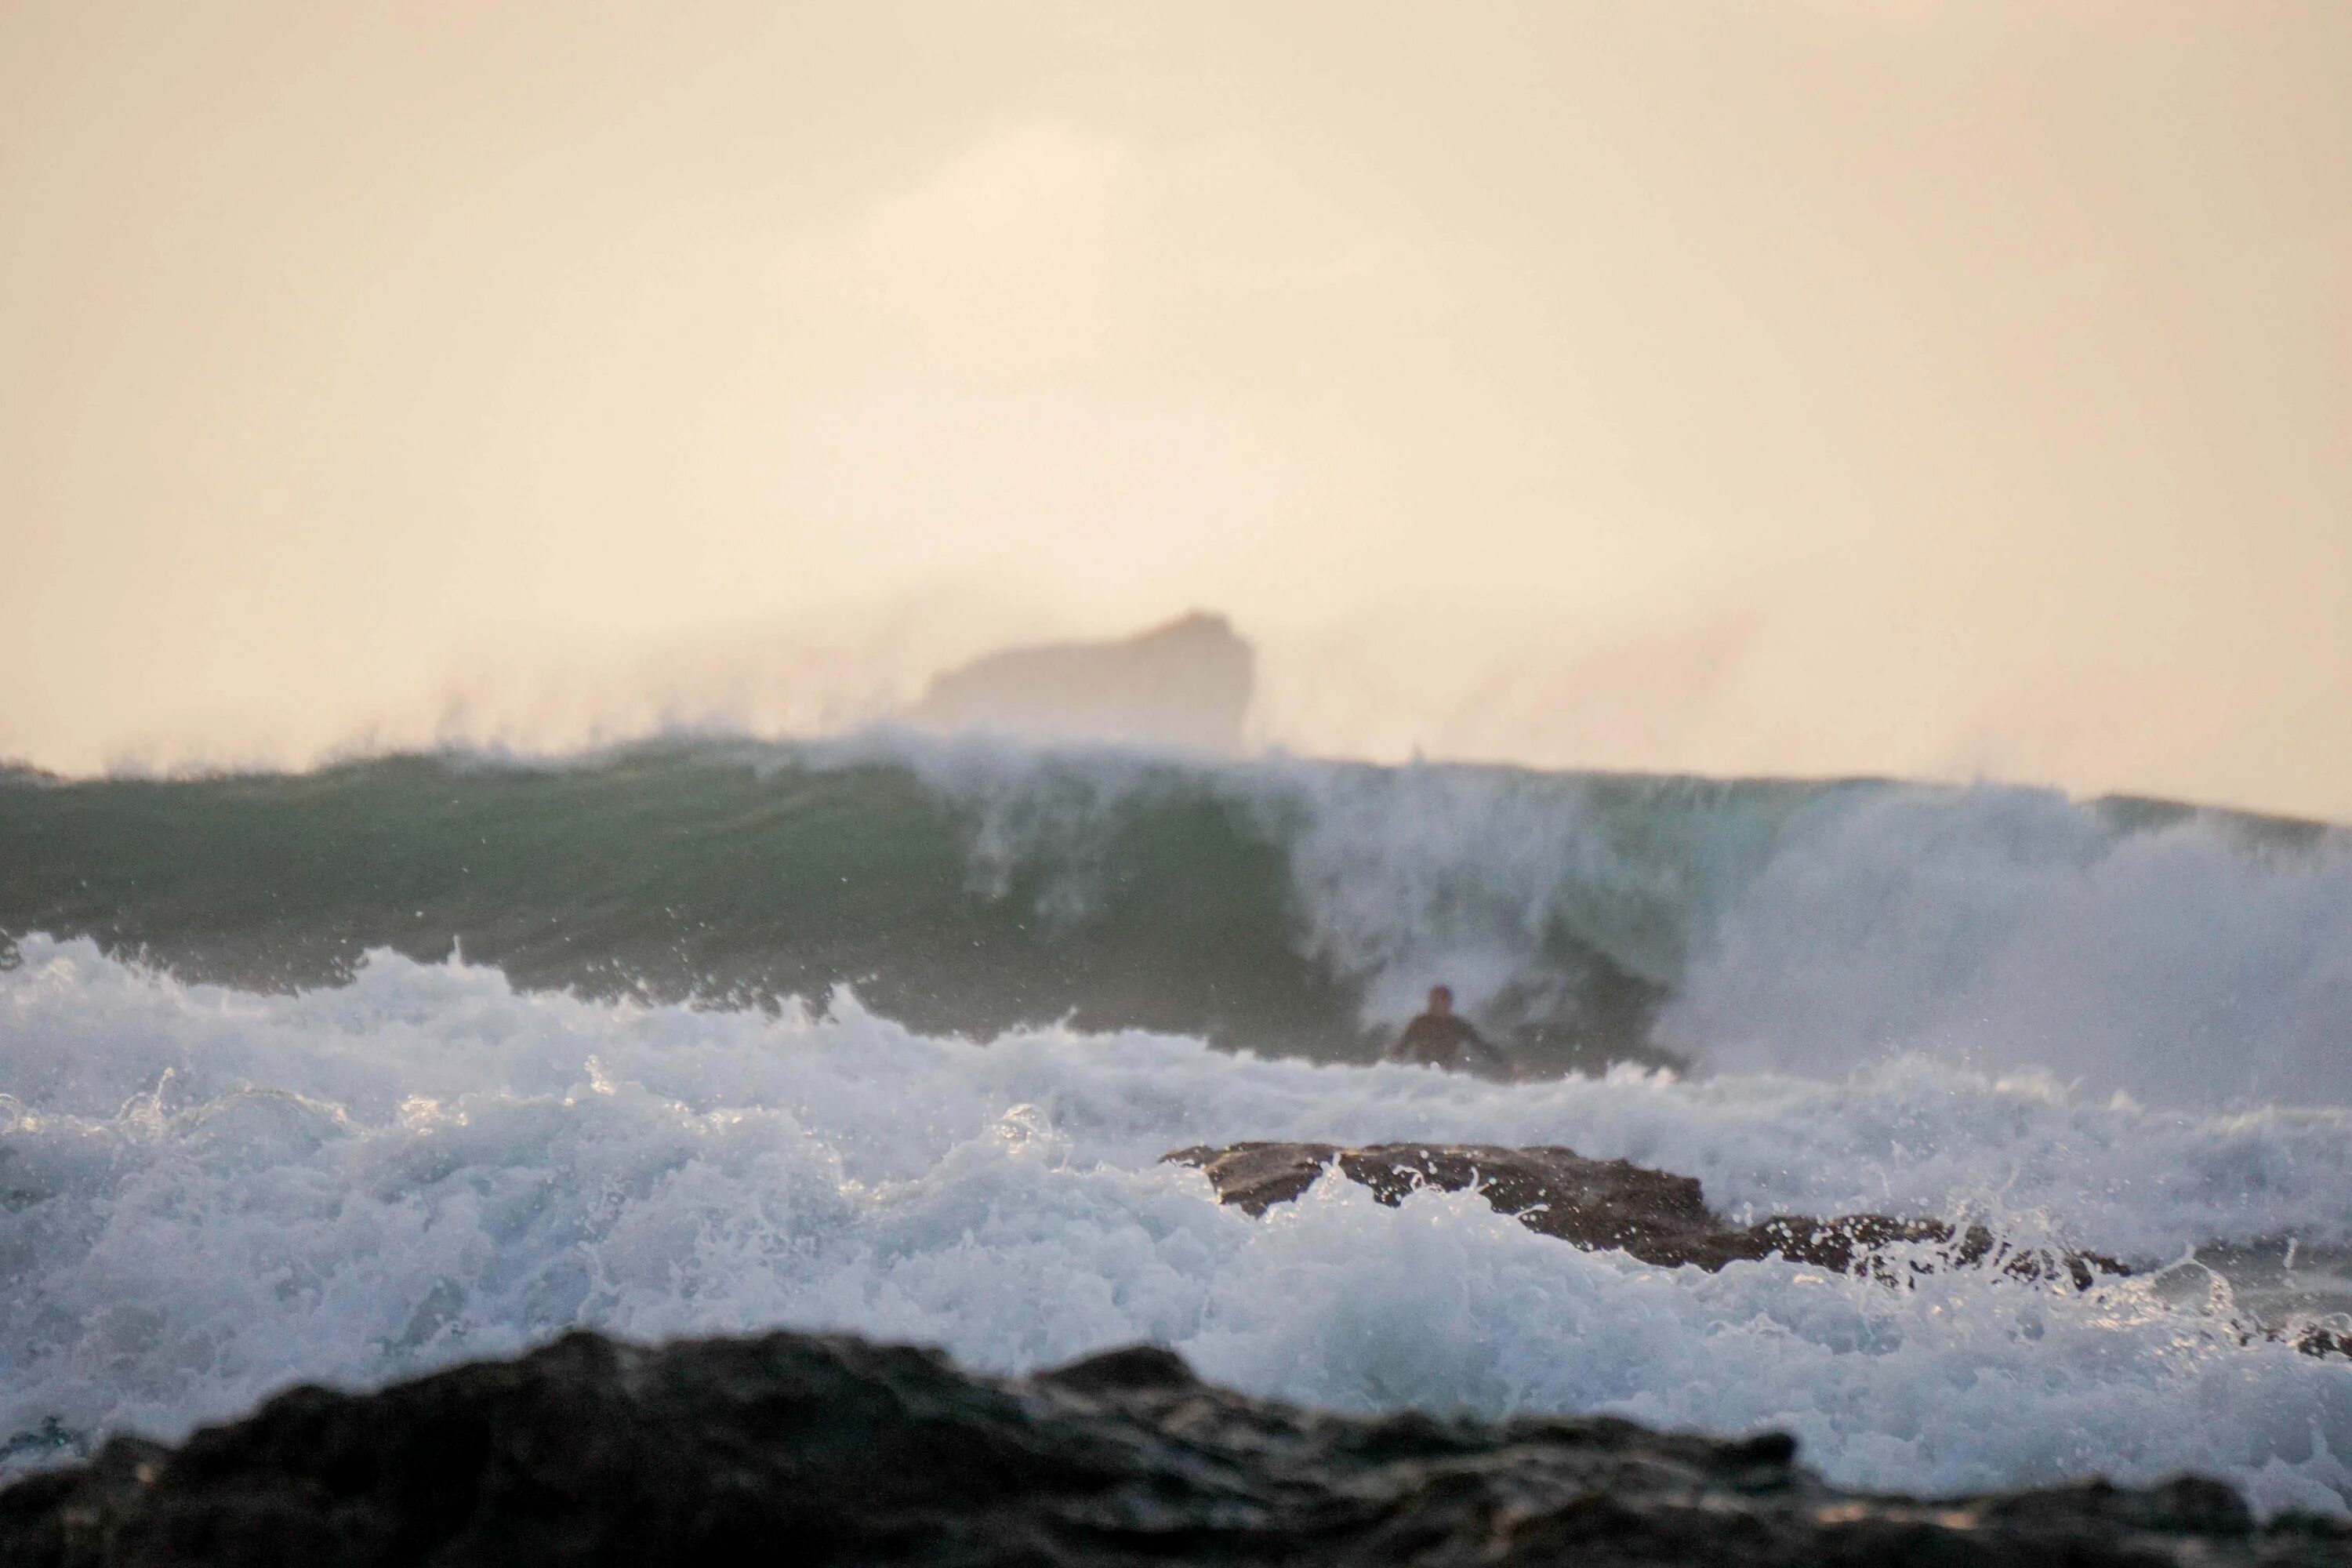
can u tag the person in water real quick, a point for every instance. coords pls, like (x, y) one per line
(1442, 1038)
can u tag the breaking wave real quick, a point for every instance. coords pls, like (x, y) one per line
(2181, 957)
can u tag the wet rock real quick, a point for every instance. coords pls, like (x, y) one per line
(2317, 1339)
(1655, 1216)
(827, 1449)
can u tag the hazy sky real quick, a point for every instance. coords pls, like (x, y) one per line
(1802, 387)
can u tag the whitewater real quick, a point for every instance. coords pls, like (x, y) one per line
(281, 1101)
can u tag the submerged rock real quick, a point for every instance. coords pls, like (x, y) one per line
(1655, 1216)
(825, 1449)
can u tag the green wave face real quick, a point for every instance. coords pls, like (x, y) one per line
(673, 874)
(1284, 906)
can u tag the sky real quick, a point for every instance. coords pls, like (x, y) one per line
(1955, 390)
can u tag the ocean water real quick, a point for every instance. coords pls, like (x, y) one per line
(347, 1075)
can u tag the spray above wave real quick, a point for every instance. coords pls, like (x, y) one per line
(2182, 956)
(209, 1194)
(1187, 683)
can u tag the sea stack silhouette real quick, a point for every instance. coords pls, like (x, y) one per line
(1186, 683)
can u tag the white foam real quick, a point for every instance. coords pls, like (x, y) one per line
(209, 1194)
(2002, 928)
(1817, 931)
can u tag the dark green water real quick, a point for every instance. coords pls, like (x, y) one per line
(671, 873)
(970, 890)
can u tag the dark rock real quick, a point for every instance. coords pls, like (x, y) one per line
(825, 1449)
(1655, 1216)
(1128, 1369)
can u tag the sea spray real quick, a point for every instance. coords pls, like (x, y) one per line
(212, 1193)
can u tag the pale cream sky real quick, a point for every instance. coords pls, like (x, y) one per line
(1940, 389)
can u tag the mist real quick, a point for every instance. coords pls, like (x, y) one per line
(1933, 390)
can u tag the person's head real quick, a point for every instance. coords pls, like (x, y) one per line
(1440, 1000)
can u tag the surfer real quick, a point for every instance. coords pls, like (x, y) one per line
(1442, 1038)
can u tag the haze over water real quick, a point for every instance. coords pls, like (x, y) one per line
(1825, 388)
(1794, 555)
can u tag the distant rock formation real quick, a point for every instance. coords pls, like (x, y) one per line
(1184, 684)
(823, 1448)
(1655, 1216)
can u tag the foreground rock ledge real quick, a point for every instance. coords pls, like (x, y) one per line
(825, 1449)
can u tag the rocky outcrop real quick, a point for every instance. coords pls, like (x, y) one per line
(1187, 683)
(1655, 1216)
(826, 1450)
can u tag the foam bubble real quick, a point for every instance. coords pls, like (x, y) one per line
(205, 1194)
